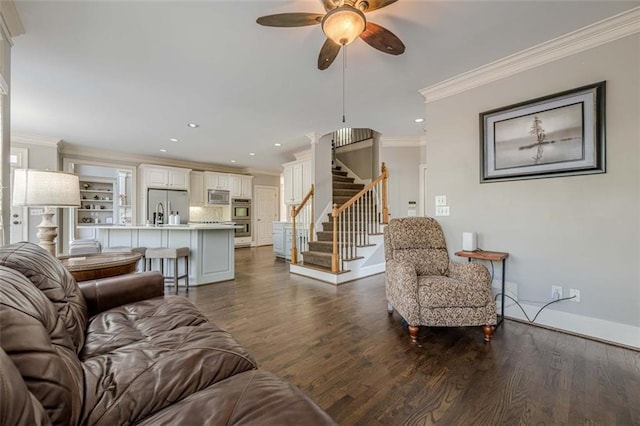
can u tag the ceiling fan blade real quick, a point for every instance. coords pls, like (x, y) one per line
(370, 5)
(296, 19)
(382, 39)
(327, 54)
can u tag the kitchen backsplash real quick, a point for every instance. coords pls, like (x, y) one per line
(209, 213)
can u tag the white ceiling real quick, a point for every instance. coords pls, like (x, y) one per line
(127, 76)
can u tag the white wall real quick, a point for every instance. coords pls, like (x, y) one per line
(581, 232)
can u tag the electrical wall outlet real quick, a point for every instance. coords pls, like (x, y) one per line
(574, 292)
(442, 211)
(556, 289)
(441, 200)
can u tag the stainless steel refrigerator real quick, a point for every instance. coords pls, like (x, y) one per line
(171, 200)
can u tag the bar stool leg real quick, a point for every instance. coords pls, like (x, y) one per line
(186, 272)
(175, 273)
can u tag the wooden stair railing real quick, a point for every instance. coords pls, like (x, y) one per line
(358, 218)
(307, 218)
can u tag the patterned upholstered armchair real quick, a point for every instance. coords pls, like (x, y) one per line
(426, 288)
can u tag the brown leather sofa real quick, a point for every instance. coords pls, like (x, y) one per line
(116, 352)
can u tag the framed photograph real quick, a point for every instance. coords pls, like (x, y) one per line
(558, 135)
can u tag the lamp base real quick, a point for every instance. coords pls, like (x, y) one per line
(47, 232)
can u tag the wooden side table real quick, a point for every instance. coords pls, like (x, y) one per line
(103, 265)
(492, 256)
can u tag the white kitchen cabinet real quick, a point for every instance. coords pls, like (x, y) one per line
(278, 239)
(241, 186)
(213, 180)
(196, 189)
(164, 177)
(282, 232)
(297, 181)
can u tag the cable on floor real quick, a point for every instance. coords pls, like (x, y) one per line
(540, 310)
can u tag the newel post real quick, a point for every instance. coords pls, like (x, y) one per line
(385, 205)
(334, 252)
(294, 249)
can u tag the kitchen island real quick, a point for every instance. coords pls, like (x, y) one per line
(211, 245)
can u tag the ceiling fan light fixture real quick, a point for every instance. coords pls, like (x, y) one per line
(343, 24)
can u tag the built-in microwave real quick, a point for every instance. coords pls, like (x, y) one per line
(216, 197)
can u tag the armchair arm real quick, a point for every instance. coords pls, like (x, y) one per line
(107, 293)
(401, 282)
(470, 273)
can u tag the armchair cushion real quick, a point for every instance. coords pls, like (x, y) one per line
(443, 292)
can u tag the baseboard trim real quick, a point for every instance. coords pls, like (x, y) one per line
(614, 333)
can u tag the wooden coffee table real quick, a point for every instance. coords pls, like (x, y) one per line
(102, 265)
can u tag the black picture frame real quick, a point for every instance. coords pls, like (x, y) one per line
(562, 134)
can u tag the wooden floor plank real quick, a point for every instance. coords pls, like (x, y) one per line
(339, 345)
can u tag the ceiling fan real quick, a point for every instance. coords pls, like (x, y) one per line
(342, 24)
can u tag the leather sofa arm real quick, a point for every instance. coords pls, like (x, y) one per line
(106, 293)
(470, 273)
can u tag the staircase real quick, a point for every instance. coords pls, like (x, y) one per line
(359, 241)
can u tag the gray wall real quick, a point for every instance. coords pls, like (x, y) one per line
(581, 232)
(321, 175)
(358, 158)
(267, 180)
(403, 164)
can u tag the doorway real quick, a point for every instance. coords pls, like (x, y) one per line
(265, 213)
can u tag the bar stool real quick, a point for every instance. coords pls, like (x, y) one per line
(174, 253)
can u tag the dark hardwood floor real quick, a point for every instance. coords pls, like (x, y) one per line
(341, 348)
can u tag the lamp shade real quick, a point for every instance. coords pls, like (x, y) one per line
(43, 188)
(343, 24)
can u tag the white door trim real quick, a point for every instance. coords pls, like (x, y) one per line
(422, 189)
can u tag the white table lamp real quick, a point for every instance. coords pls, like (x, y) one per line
(47, 189)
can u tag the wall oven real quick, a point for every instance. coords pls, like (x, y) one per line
(240, 209)
(243, 228)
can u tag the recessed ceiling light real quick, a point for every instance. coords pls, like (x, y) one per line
(419, 120)
(277, 144)
(192, 125)
(233, 161)
(174, 140)
(252, 153)
(163, 150)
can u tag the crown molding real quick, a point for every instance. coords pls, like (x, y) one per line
(36, 140)
(86, 153)
(10, 19)
(403, 142)
(616, 27)
(252, 171)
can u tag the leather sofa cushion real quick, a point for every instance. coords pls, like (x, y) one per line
(249, 398)
(48, 275)
(143, 357)
(39, 345)
(18, 406)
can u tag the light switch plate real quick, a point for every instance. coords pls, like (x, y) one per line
(441, 200)
(36, 212)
